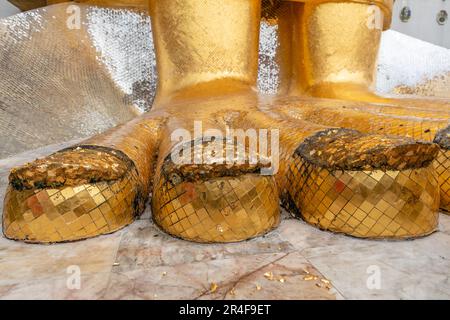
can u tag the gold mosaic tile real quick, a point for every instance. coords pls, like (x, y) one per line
(70, 213)
(442, 165)
(366, 204)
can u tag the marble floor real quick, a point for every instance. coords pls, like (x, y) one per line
(296, 261)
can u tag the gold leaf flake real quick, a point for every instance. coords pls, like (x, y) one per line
(213, 287)
(268, 275)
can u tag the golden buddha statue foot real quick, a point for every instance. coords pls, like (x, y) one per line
(91, 189)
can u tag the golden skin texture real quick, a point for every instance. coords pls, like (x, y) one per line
(370, 186)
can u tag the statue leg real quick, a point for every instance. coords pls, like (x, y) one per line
(336, 44)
